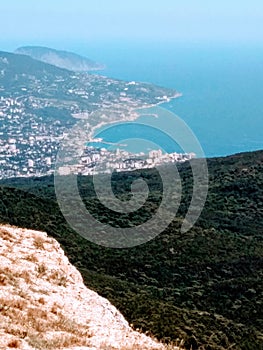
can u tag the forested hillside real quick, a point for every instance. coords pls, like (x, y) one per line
(204, 286)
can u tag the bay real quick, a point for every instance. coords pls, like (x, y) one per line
(222, 89)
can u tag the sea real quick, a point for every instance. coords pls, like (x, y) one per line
(222, 87)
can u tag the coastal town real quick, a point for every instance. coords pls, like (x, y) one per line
(29, 146)
(96, 161)
(40, 104)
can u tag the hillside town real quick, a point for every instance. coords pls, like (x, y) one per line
(40, 103)
(96, 161)
(29, 146)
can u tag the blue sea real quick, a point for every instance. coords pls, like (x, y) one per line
(222, 88)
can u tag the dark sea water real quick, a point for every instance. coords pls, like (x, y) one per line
(222, 88)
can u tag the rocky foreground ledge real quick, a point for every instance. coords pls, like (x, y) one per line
(45, 305)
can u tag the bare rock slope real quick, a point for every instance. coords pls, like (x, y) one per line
(45, 305)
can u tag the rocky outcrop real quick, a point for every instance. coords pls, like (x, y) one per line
(45, 305)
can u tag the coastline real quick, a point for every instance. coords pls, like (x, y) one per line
(133, 115)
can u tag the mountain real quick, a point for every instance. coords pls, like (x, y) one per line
(18, 71)
(62, 59)
(204, 287)
(44, 303)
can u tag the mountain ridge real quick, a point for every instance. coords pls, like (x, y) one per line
(60, 58)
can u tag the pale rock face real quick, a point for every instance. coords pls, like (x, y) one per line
(45, 305)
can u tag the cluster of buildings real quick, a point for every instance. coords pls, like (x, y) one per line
(38, 106)
(100, 160)
(28, 145)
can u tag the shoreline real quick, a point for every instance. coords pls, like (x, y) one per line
(132, 116)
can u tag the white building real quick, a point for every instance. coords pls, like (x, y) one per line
(30, 163)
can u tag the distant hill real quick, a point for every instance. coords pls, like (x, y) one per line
(12, 65)
(22, 74)
(62, 59)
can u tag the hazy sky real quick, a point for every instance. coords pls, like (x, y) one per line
(32, 21)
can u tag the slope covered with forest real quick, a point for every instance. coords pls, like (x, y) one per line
(204, 286)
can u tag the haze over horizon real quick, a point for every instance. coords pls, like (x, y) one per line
(62, 22)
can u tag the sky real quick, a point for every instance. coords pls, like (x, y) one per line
(57, 21)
